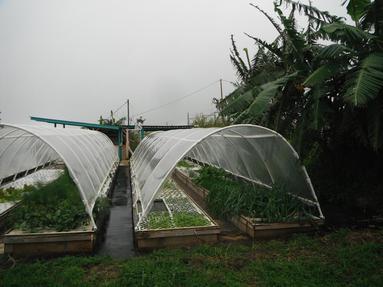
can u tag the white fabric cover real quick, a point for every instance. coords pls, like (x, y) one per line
(252, 152)
(90, 156)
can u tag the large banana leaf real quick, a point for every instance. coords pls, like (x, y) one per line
(366, 81)
(265, 98)
(346, 33)
(334, 51)
(321, 74)
(357, 8)
(240, 103)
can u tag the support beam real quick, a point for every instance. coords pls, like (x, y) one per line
(142, 134)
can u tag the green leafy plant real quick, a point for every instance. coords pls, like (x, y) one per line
(184, 163)
(163, 220)
(134, 140)
(228, 197)
(12, 194)
(186, 219)
(159, 220)
(56, 205)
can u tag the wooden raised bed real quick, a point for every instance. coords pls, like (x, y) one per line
(82, 240)
(245, 224)
(4, 217)
(272, 230)
(185, 236)
(177, 237)
(49, 243)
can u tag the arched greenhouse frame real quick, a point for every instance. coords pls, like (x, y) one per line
(254, 153)
(89, 156)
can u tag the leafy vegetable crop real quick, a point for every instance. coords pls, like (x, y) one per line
(228, 197)
(56, 205)
(163, 220)
(12, 194)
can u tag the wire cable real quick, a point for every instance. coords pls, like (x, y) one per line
(175, 100)
(120, 107)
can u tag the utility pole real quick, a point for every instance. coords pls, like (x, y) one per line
(188, 118)
(127, 111)
(220, 85)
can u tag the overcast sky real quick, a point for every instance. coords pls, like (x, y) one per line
(77, 59)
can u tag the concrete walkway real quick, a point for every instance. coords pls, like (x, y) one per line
(118, 241)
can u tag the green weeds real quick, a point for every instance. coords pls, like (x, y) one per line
(325, 260)
(228, 197)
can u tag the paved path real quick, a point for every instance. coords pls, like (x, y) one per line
(118, 241)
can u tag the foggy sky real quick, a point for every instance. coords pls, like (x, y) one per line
(79, 59)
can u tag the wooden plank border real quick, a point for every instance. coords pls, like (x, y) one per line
(42, 244)
(176, 237)
(245, 224)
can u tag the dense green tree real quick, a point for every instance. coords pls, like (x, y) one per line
(322, 88)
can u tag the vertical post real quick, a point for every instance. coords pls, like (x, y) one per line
(127, 143)
(142, 133)
(127, 112)
(188, 119)
(220, 85)
(120, 143)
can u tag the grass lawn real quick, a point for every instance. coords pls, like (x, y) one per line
(341, 258)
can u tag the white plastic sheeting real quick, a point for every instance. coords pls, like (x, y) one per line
(42, 176)
(252, 152)
(90, 156)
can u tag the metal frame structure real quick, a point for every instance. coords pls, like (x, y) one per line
(252, 152)
(119, 129)
(90, 156)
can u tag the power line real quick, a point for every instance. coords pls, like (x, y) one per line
(120, 107)
(176, 100)
(230, 82)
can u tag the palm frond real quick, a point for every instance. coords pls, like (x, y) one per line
(357, 8)
(321, 74)
(239, 64)
(266, 97)
(334, 51)
(291, 35)
(310, 10)
(366, 81)
(271, 48)
(240, 103)
(346, 34)
(275, 24)
(241, 72)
